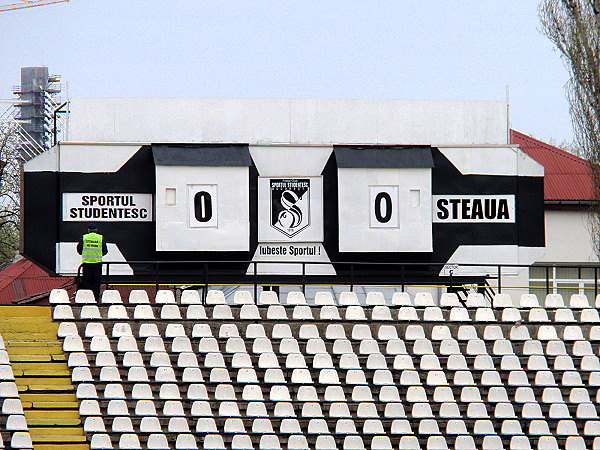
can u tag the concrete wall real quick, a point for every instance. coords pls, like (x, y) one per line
(296, 121)
(568, 238)
(567, 242)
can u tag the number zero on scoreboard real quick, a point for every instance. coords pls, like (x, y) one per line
(384, 206)
(203, 205)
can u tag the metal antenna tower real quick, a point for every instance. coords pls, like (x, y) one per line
(36, 108)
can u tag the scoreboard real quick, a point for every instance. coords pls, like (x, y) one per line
(278, 205)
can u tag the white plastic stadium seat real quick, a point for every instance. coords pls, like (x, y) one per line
(59, 296)
(375, 298)
(164, 296)
(268, 298)
(295, 298)
(529, 301)
(243, 298)
(324, 299)
(249, 312)
(579, 301)
(100, 441)
(554, 301)
(138, 296)
(215, 297)
(401, 299)
(84, 296)
(433, 314)
(190, 298)
(449, 299)
(348, 299)
(195, 312)
(424, 299)
(62, 312)
(476, 300)
(502, 301)
(117, 312)
(111, 296)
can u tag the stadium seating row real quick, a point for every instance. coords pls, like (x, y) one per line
(242, 297)
(159, 441)
(305, 312)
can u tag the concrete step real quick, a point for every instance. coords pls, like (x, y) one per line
(31, 344)
(26, 311)
(52, 414)
(43, 378)
(55, 435)
(55, 405)
(24, 324)
(53, 356)
(52, 422)
(39, 397)
(46, 365)
(32, 350)
(61, 446)
(41, 374)
(45, 388)
(15, 359)
(49, 381)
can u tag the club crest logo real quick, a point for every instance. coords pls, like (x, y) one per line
(290, 205)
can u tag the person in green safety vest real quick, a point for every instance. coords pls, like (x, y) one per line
(92, 248)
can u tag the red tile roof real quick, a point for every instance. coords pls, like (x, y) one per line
(566, 176)
(24, 280)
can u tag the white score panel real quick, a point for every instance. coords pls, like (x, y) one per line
(384, 206)
(385, 210)
(202, 208)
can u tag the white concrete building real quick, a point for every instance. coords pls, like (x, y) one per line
(568, 191)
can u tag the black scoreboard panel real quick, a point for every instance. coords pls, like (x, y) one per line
(282, 204)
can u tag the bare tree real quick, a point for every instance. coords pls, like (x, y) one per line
(574, 27)
(10, 187)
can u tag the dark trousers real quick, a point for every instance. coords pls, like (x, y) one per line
(92, 278)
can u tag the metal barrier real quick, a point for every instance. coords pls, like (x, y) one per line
(396, 274)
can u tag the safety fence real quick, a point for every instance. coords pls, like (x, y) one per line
(488, 279)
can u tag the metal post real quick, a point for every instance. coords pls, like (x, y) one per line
(205, 288)
(303, 278)
(351, 277)
(78, 277)
(403, 277)
(451, 284)
(547, 280)
(107, 278)
(499, 280)
(156, 275)
(595, 282)
(255, 285)
(55, 128)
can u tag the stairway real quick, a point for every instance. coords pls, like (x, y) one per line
(42, 376)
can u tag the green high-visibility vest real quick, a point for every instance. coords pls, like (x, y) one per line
(92, 248)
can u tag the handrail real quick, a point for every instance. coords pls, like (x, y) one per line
(304, 278)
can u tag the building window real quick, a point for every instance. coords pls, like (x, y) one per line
(565, 281)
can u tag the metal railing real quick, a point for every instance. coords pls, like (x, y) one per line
(451, 276)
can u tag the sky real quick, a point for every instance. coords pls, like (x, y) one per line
(396, 49)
